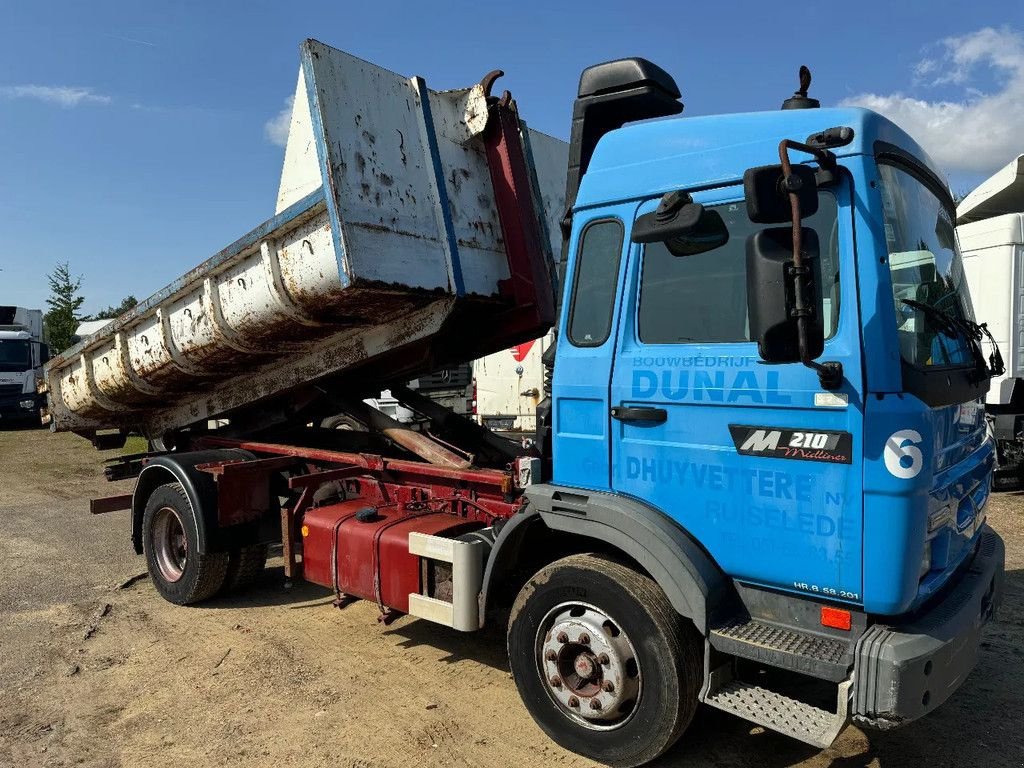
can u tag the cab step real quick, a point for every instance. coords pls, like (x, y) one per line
(826, 658)
(775, 711)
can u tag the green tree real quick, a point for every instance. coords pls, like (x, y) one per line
(128, 302)
(64, 302)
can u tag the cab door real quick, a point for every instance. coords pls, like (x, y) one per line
(759, 463)
(586, 348)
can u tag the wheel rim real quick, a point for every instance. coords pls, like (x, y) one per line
(588, 666)
(170, 545)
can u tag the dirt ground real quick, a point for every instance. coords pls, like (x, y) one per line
(98, 672)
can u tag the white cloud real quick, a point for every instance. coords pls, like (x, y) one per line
(276, 128)
(62, 95)
(981, 130)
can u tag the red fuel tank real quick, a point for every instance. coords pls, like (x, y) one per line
(368, 556)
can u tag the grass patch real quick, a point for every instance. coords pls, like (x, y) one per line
(135, 444)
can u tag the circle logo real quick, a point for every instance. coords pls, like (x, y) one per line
(902, 457)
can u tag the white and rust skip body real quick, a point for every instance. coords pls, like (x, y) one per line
(389, 222)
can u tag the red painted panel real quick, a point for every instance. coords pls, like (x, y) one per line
(520, 351)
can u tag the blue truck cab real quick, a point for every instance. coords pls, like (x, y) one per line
(810, 500)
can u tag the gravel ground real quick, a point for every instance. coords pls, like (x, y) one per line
(95, 671)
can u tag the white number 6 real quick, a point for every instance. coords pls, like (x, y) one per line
(898, 448)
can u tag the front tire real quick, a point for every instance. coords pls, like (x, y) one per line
(179, 571)
(602, 661)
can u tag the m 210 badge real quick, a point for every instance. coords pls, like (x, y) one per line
(799, 444)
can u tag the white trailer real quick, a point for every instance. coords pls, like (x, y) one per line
(990, 229)
(510, 384)
(386, 259)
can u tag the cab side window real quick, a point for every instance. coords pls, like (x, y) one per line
(595, 283)
(703, 298)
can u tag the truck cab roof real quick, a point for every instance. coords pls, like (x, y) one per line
(8, 335)
(647, 159)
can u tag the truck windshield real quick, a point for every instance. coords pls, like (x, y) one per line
(927, 272)
(14, 355)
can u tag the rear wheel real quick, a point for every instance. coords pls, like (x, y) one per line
(245, 566)
(180, 572)
(602, 661)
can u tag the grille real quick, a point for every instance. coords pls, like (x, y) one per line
(449, 378)
(9, 390)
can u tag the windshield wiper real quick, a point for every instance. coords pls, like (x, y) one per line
(973, 332)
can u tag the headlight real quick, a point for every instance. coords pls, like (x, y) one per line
(926, 561)
(944, 516)
(27, 404)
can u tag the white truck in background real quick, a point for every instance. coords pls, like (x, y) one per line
(509, 385)
(990, 229)
(22, 356)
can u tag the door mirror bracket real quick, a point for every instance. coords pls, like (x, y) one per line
(685, 227)
(781, 283)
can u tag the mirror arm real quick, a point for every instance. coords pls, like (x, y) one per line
(826, 159)
(830, 374)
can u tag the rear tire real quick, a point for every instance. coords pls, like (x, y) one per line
(602, 661)
(170, 539)
(245, 566)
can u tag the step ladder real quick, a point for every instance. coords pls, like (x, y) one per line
(819, 656)
(822, 657)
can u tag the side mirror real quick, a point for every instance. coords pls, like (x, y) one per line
(767, 189)
(687, 228)
(772, 286)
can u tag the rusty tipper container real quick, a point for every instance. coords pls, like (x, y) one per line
(407, 219)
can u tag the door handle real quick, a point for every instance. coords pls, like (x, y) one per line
(645, 415)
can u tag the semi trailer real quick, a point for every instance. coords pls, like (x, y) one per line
(761, 473)
(22, 357)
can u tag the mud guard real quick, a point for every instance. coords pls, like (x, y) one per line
(200, 488)
(691, 580)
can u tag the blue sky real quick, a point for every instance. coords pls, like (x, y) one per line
(134, 136)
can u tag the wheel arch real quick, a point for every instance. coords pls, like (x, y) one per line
(200, 489)
(656, 544)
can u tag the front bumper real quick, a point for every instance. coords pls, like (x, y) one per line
(12, 410)
(904, 671)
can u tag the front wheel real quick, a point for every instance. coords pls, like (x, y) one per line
(602, 661)
(179, 571)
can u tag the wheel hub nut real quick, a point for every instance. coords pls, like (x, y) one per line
(584, 666)
(584, 660)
